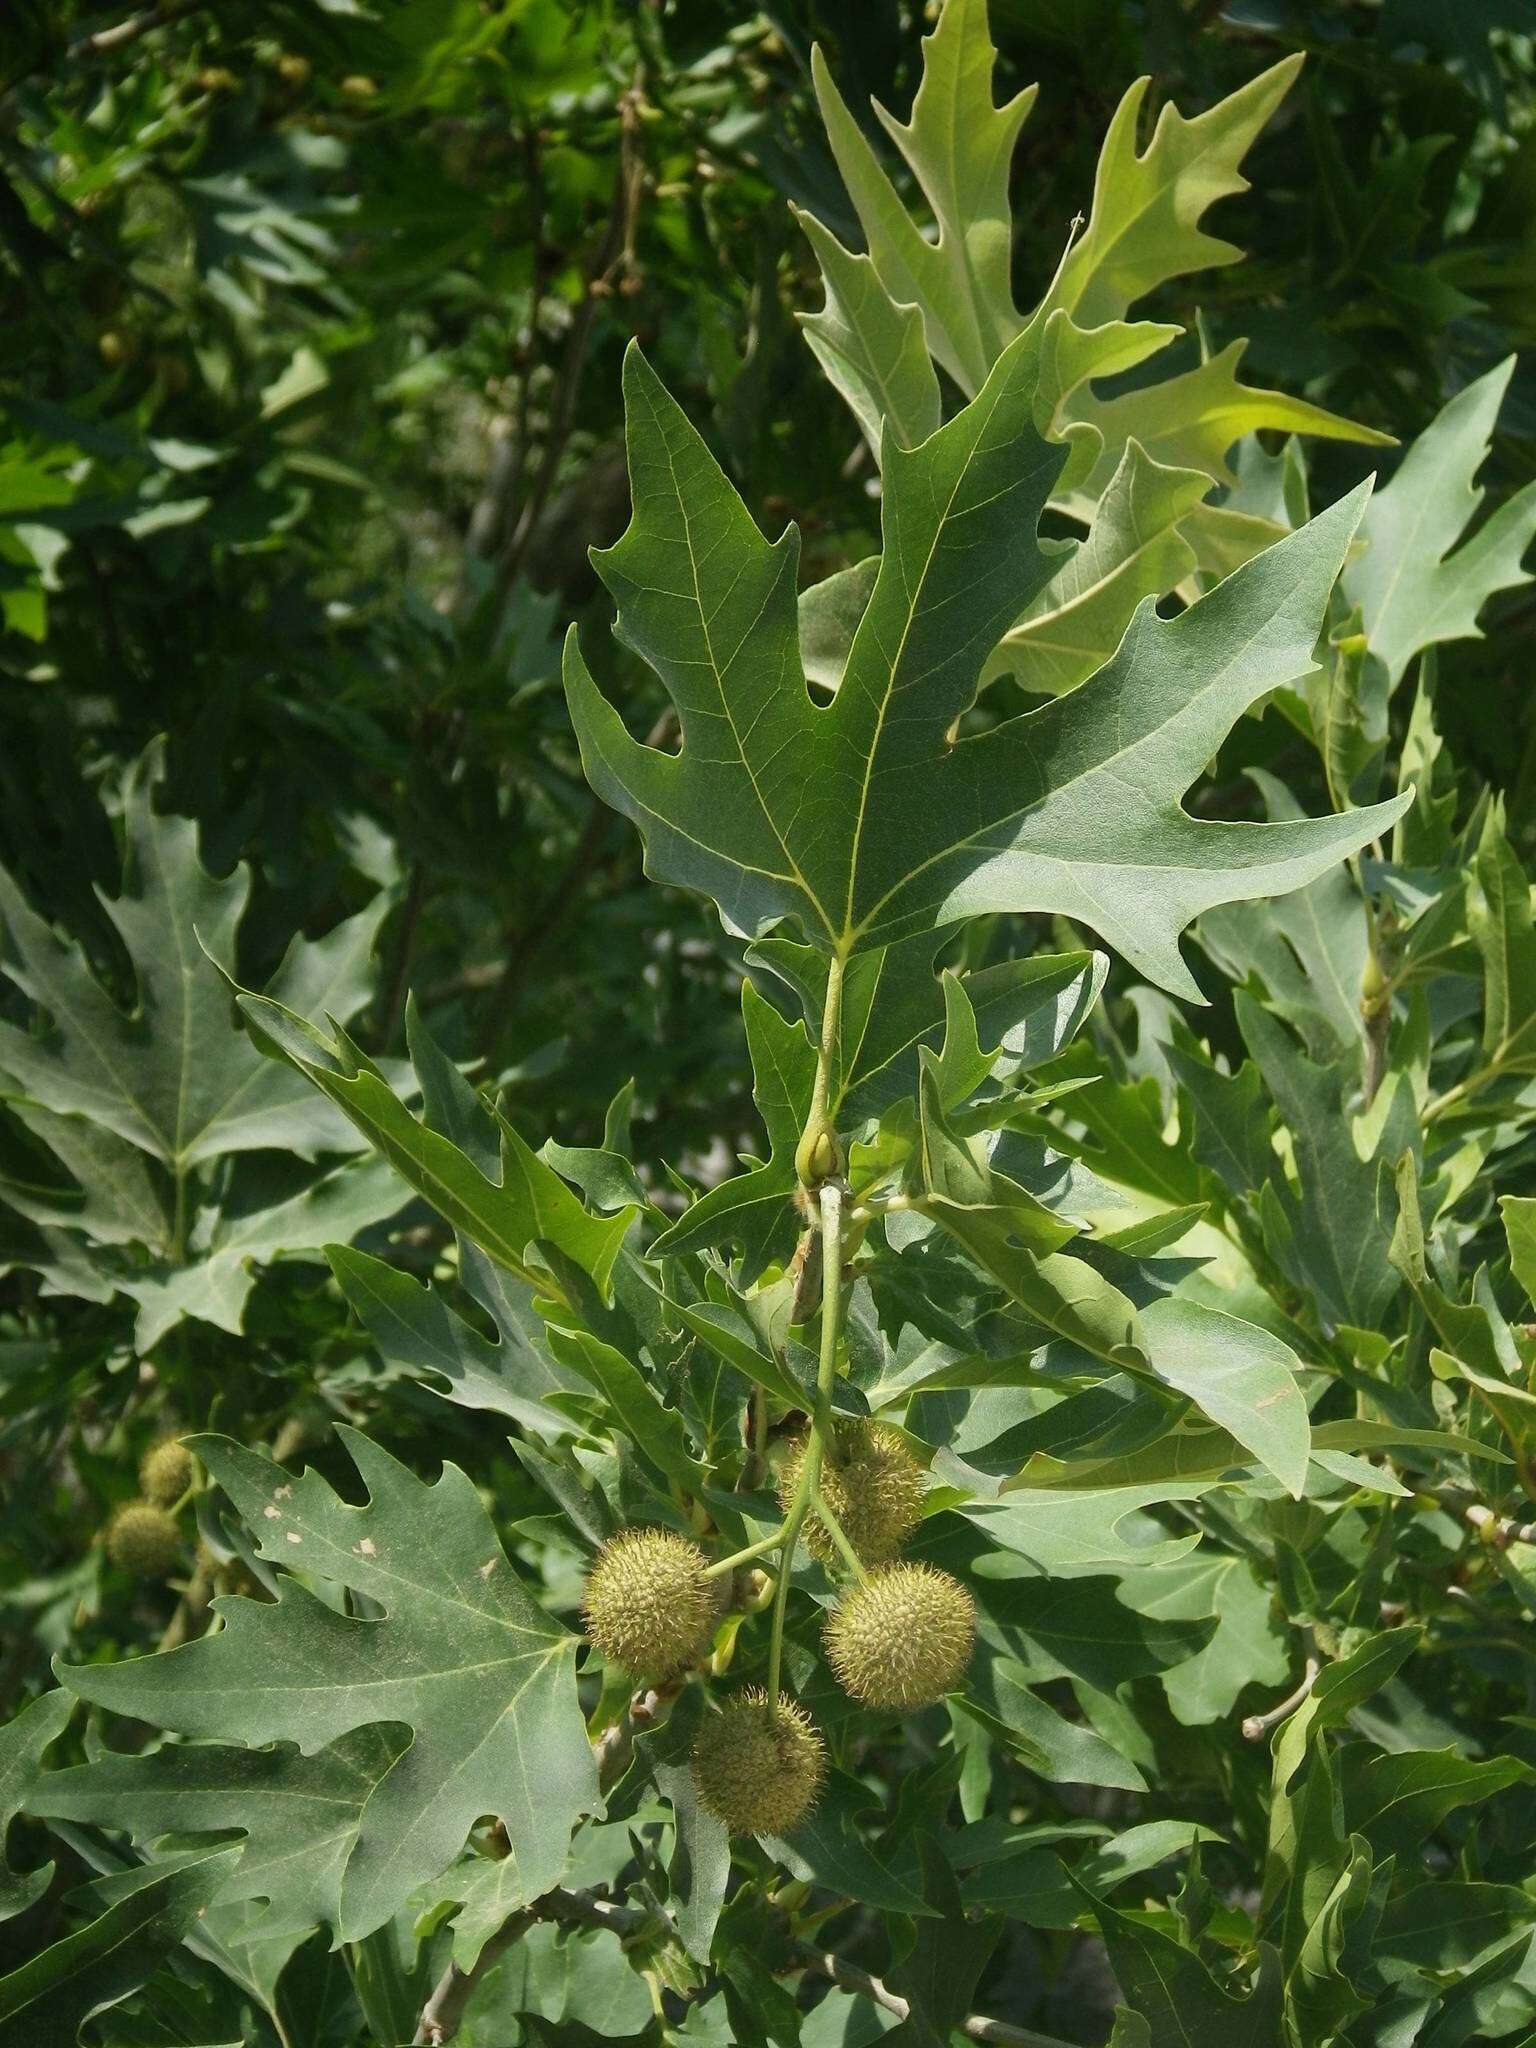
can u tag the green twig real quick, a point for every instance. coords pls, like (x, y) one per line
(830, 1197)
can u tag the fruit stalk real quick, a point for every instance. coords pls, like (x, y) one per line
(830, 1199)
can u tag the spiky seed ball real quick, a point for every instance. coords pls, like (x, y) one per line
(648, 1606)
(143, 1539)
(166, 1472)
(759, 1775)
(902, 1638)
(870, 1481)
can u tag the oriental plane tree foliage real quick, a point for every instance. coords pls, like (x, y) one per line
(990, 1492)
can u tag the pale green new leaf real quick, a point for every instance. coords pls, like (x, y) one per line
(959, 147)
(862, 818)
(872, 350)
(1134, 549)
(1145, 225)
(953, 283)
(1191, 421)
(460, 1654)
(1418, 583)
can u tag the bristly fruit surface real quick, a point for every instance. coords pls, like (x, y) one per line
(901, 1639)
(143, 1539)
(648, 1605)
(871, 1482)
(166, 1472)
(760, 1776)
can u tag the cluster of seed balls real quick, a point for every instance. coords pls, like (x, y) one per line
(142, 1538)
(897, 1640)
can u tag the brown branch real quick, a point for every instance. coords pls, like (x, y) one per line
(443, 2013)
(1497, 1531)
(614, 1747)
(132, 27)
(509, 459)
(614, 251)
(192, 1608)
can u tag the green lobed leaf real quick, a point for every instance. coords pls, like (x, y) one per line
(172, 1078)
(959, 148)
(1134, 549)
(872, 349)
(45, 2002)
(22, 1743)
(859, 818)
(1147, 204)
(461, 1655)
(301, 1814)
(1172, 1989)
(505, 1217)
(1240, 1376)
(1418, 583)
(415, 1330)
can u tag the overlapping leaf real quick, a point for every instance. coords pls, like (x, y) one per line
(1418, 582)
(482, 1678)
(481, 1176)
(948, 292)
(863, 819)
(48, 1999)
(22, 1743)
(172, 1078)
(137, 1107)
(300, 1814)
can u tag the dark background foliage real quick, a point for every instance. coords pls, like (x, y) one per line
(313, 331)
(309, 414)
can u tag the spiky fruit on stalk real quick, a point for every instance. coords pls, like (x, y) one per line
(165, 1472)
(901, 1638)
(648, 1605)
(870, 1481)
(143, 1539)
(756, 1772)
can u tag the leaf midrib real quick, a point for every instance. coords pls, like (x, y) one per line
(727, 706)
(851, 932)
(1104, 764)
